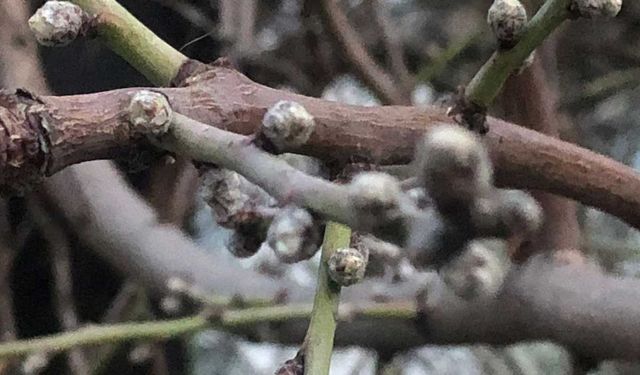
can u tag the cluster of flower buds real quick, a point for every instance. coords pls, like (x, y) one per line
(454, 169)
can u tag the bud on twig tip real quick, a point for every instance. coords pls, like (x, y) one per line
(58, 23)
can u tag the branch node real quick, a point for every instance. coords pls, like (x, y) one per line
(150, 113)
(467, 113)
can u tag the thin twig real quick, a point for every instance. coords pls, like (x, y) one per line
(393, 45)
(487, 83)
(161, 330)
(355, 51)
(318, 343)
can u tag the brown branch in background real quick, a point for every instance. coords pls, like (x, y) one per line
(529, 100)
(58, 244)
(354, 49)
(393, 46)
(172, 188)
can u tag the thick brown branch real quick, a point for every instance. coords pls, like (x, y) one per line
(86, 127)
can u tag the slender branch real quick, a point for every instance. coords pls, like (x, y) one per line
(354, 49)
(160, 330)
(104, 334)
(487, 83)
(134, 42)
(318, 344)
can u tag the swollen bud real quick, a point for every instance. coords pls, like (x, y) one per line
(508, 20)
(519, 212)
(453, 166)
(58, 23)
(375, 198)
(293, 235)
(347, 266)
(150, 113)
(477, 272)
(287, 125)
(596, 8)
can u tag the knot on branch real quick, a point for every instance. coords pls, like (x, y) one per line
(467, 113)
(23, 146)
(58, 23)
(286, 125)
(150, 113)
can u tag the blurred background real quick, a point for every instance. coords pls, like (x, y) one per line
(584, 80)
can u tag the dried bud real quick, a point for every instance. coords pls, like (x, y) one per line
(375, 197)
(597, 8)
(287, 125)
(347, 266)
(454, 166)
(478, 272)
(221, 189)
(150, 113)
(508, 20)
(57, 23)
(293, 235)
(519, 212)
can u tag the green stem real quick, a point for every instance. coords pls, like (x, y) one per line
(318, 344)
(134, 42)
(103, 334)
(231, 320)
(487, 83)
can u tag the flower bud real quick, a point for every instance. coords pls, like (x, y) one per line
(293, 235)
(375, 198)
(57, 23)
(477, 272)
(454, 166)
(519, 212)
(347, 266)
(508, 20)
(287, 125)
(597, 8)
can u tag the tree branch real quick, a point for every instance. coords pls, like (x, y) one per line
(318, 343)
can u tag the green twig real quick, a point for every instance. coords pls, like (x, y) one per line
(133, 41)
(318, 344)
(230, 320)
(487, 83)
